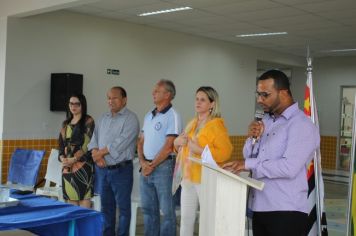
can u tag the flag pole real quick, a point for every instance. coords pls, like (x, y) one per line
(316, 161)
(349, 221)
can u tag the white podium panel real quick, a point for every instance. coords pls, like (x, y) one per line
(223, 201)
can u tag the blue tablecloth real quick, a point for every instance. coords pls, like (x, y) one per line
(44, 216)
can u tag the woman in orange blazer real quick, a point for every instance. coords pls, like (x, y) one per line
(207, 128)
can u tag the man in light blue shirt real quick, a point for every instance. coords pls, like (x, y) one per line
(286, 142)
(113, 147)
(155, 147)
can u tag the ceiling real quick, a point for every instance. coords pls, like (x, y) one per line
(322, 24)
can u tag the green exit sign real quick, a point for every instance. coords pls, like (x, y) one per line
(112, 71)
(115, 72)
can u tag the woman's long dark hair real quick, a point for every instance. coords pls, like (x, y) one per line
(69, 116)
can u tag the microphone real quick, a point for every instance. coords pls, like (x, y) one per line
(258, 117)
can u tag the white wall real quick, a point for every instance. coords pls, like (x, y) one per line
(298, 83)
(329, 74)
(3, 33)
(31, 7)
(68, 42)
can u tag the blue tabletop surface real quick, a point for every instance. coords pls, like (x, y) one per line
(45, 216)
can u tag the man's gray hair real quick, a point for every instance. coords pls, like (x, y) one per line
(169, 86)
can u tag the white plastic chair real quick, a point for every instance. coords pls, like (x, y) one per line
(135, 196)
(95, 200)
(96, 203)
(54, 175)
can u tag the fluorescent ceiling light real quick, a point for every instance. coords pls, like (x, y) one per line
(260, 34)
(341, 50)
(165, 11)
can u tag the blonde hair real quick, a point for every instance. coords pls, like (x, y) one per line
(213, 96)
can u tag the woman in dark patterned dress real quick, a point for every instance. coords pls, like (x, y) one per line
(78, 169)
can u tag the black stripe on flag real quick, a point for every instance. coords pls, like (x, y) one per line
(311, 219)
(324, 225)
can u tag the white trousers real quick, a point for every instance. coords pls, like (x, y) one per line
(190, 198)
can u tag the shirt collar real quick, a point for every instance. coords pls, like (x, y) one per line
(122, 111)
(288, 112)
(155, 111)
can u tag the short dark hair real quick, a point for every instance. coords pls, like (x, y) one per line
(121, 90)
(281, 80)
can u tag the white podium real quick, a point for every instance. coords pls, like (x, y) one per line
(223, 201)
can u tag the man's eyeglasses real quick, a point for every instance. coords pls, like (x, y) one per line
(74, 104)
(263, 95)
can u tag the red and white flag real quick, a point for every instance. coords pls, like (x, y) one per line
(316, 216)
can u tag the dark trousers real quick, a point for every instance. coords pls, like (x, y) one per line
(279, 223)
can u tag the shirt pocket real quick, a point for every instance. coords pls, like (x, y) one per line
(116, 126)
(276, 143)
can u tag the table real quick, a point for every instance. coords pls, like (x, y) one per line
(45, 216)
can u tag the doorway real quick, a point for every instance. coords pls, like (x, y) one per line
(346, 121)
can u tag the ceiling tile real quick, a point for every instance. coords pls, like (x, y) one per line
(349, 21)
(202, 3)
(296, 2)
(266, 14)
(113, 15)
(332, 5)
(322, 33)
(86, 9)
(122, 4)
(141, 20)
(338, 14)
(149, 8)
(294, 20)
(319, 23)
(239, 7)
(183, 15)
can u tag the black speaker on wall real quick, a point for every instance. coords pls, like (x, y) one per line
(62, 86)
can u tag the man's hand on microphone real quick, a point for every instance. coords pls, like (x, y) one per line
(255, 129)
(235, 166)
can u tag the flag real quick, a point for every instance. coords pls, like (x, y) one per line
(353, 201)
(316, 216)
(351, 216)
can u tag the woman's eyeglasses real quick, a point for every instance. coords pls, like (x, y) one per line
(74, 104)
(263, 95)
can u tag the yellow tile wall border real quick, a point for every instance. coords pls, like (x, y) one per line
(327, 148)
(1, 151)
(7, 147)
(238, 144)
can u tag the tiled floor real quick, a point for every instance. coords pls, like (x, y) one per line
(139, 227)
(336, 196)
(15, 233)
